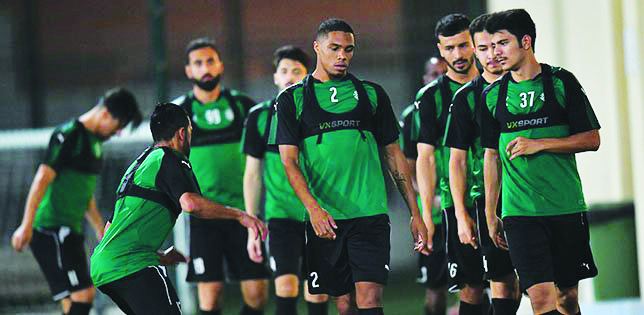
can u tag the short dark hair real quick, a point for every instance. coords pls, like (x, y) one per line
(516, 21)
(203, 42)
(333, 25)
(166, 120)
(451, 25)
(478, 24)
(293, 53)
(122, 105)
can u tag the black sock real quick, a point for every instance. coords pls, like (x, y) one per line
(505, 306)
(79, 308)
(553, 312)
(317, 308)
(213, 312)
(247, 310)
(465, 308)
(286, 305)
(371, 311)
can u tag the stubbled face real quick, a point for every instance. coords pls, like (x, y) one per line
(334, 52)
(485, 53)
(204, 65)
(508, 51)
(288, 72)
(457, 51)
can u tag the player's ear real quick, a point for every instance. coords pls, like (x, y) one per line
(526, 42)
(316, 46)
(188, 71)
(440, 51)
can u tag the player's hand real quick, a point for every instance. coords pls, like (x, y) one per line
(171, 257)
(254, 247)
(21, 237)
(522, 146)
(497, 235)
(323, 223)
(254, 225)
(422, 236)
(467, 230)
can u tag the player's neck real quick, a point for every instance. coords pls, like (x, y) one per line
(463, 78)
(90, 119)
(320, 74)
(206, 96)
(490, 77)
(528, 70)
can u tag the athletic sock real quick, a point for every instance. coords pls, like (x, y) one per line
(286, 305)
(247, 310)
(553, 312)
(505, 306)
(465, 308)
(371, 311)
(441, 311)
(212, 312)
(317, 308)
(78, 308)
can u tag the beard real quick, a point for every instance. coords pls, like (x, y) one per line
(208, 85)
(462, 70)
(186, 148)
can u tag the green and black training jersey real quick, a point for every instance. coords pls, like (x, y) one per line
(141, 224)
(215, 153)
(338, 126)
(75, 154)
(433, 102)
(281, 201)
(408, 141)
(551, 105)
(463, 132)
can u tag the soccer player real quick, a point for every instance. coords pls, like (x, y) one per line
(337, 123)
(535, 118)
(218, 116)
(62, 193)
(155, 189)
(432, 268)
(284, 212)
(433, 101)
(462, 136)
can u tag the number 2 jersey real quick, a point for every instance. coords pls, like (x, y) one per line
(551, 105)
(338, 126)
(215, 151)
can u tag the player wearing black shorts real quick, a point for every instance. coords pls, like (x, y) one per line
(62, 193)
(432, 269)
(284, 212)
(538, 117)
(218, 116)
(336, 124)
(462, 136)
(465, 268)
(155, 189)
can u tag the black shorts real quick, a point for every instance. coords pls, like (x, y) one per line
(432, 269)
(286, 241)
(550, 249)
(147, 291)
(214, 241)
(496, 261)
(360, 253)
(61, 255)
(464, 263)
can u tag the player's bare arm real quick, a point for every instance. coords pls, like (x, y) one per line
(467, 230)
(22, 236)
(580, 142)
(199, 206)
(399, 170)
(252, 191)
(426, 180)
(94, 217)
(322, 222)
(492, 180)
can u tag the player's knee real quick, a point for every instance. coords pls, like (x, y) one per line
(344, 305)
(542, 297)
(316, 298)
(368, 299)
(255, 293)
(568, 300)
(210, 295)
(436, 300)
(472, 294)
(84, 296)
(287, 286)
